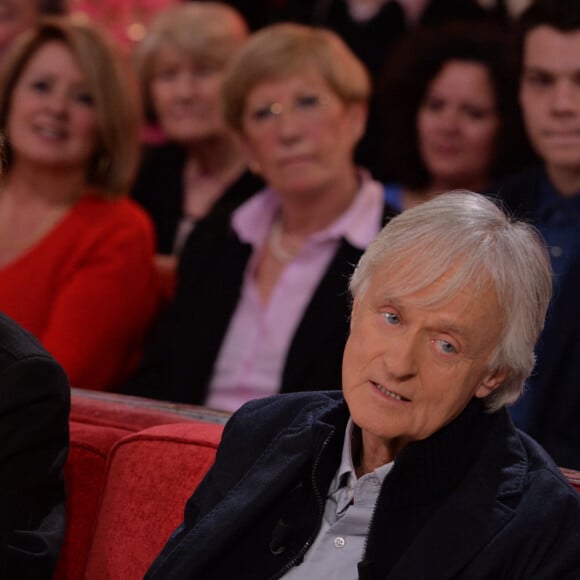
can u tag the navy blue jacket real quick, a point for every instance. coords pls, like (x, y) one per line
(476, 500)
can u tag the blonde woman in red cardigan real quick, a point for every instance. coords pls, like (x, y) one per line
(76, 264)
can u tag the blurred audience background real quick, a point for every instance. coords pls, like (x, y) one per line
(261, 305)
(371, 28)
(261, 270)
(450, 113)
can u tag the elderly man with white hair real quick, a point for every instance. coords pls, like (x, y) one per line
(415, 471)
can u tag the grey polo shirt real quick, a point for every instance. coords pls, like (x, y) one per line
(350, 503)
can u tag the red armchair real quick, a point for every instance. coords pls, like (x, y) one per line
(132, 465)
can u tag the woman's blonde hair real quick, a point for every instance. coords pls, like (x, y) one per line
(210, 32)
(113, 166)
(282, 49)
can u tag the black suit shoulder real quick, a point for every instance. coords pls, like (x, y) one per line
(34, 409)
(16, 343)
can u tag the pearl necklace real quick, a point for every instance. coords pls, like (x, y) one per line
(275, 244)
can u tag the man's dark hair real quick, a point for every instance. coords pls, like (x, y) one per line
(563, 15)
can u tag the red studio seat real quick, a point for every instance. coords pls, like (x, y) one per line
(131, 467)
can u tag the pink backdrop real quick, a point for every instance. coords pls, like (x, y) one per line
(126, 20)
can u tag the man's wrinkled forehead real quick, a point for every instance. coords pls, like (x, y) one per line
(426, 285)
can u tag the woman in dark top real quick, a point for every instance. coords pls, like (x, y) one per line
(201, 169)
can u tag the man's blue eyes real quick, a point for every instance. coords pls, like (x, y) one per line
(391, 318)
(447, 347)
(444, 345)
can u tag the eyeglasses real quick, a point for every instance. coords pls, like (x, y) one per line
(302, 106)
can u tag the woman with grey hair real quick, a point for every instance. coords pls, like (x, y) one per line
(415, 470)
(261, 305)
(200, 169)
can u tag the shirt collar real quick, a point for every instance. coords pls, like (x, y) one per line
(253, 219)
(346, 470)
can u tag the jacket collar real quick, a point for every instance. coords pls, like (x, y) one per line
(447, 496)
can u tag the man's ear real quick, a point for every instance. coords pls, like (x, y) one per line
(491, 382)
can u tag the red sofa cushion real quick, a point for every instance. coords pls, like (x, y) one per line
(150, 476)
(84, 475)
(98, 421)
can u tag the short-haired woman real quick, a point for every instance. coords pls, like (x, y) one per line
(200, 169)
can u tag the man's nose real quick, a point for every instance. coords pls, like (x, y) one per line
(400, 357)
(565, 98)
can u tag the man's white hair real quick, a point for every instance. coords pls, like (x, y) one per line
(470, 239)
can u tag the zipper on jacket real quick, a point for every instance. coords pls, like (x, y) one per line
(321, 503)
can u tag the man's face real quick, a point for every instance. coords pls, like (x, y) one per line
(408, 370)
(550, 96)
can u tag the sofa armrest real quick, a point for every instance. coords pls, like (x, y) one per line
(150, 475)
(105, 431)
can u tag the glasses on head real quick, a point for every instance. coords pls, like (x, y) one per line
(302, 106)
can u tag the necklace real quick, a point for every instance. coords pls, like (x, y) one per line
(275, 244)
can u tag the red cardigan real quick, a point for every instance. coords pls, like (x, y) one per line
(88, 290)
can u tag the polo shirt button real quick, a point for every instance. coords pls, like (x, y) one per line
(339, 542)
(556, 251)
